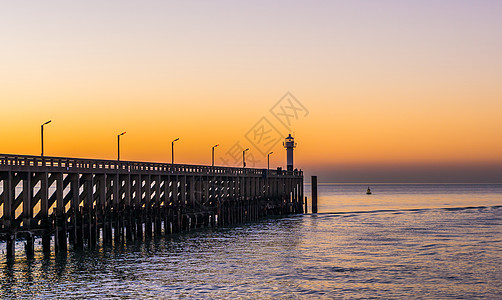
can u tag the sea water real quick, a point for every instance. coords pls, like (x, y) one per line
(404, 241)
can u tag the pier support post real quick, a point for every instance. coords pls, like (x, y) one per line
(61, 227)
(75, 235)
(79, 232)
(148, 208)
(139, 224)
(61, 233)
(314, 194)
(129, 232)
(46, 241)
(46, 222)
(93, 222)
(29, 248)
(11, 245)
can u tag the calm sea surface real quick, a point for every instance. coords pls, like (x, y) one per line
(402, 242)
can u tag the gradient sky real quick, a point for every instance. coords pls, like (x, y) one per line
(396, 91)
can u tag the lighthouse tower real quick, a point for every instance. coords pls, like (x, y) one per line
(289, 144)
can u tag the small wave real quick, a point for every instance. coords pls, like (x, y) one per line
(430, 246)
(343, 270)
(416, 229)
(464, 208)
(427, 254)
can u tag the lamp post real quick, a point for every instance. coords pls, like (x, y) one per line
(172, 150)
(212, 154)
(42, 135)
(268, 160)
(244, 157)
(118, 145)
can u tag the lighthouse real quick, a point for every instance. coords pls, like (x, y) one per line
(289, 144)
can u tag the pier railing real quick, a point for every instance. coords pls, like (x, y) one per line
(65, 164)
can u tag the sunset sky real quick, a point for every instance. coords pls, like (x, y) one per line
(390, 91)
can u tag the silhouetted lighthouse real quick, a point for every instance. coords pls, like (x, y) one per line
(289, 144)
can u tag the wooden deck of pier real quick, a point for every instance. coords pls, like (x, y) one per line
(86, 202)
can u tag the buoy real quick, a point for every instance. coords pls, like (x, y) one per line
(368, 191)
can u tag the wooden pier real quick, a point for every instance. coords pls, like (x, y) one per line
(86, 203)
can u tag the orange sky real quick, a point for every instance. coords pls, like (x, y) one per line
(384, 84)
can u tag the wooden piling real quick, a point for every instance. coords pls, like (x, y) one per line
(29, 247)
(11, 245)
(314, 194)
(46, 240)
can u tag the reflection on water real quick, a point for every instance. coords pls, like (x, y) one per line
(405, 253)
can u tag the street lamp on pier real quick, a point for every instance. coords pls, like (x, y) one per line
(268, 160)
(42, 135)
(212, 154)
(118, 145)
(244, 157)
(172, 150)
